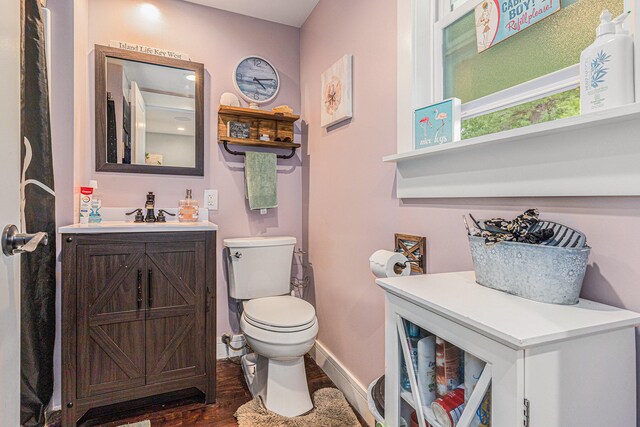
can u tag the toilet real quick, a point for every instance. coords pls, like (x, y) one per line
(279, 328)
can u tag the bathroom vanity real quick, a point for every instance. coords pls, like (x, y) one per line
(547, 365)
(138, 313)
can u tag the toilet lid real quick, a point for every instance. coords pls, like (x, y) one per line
(281, 312)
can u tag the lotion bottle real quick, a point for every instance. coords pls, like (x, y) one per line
(606, 67)
(188, 211)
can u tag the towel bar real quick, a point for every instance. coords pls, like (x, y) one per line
(240, 153)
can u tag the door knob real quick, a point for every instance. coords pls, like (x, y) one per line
(14, 242)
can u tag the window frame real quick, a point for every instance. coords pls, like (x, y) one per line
(541, 87)
(582, 165)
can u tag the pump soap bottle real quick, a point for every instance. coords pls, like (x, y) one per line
(96, 204)
(606, 67)
(188, 211)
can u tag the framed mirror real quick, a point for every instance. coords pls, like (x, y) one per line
(149, 113)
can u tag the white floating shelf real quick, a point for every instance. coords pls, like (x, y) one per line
(607, 117)
(595, 154)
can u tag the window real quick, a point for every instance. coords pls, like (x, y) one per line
(526, 79)
(585, 155)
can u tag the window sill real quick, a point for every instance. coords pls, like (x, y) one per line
(589, 155)
(530, 133)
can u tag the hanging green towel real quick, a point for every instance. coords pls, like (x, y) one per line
(260, 180)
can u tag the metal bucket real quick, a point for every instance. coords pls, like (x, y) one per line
(541, 273)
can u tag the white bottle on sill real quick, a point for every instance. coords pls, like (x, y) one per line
(606, 67)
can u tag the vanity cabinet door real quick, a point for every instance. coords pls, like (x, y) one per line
(111, 318)
(175, 315)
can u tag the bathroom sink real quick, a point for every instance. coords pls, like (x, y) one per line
(114, 220)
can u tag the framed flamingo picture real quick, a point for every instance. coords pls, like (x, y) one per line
(437, 124)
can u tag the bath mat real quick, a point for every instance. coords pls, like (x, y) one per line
(330, 410)
(145, 423)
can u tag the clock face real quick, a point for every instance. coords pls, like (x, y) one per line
(256, 80)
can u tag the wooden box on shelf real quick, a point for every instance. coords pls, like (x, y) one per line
(277, 125)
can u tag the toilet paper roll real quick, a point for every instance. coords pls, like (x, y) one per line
(383, 264)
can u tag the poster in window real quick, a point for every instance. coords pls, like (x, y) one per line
(497, 20)
(437, 124)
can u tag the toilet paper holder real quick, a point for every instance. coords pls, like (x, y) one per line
(399, 266)
(414, 249)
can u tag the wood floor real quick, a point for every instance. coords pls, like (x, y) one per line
(232, 393)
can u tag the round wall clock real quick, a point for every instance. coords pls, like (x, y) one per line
(256, 80)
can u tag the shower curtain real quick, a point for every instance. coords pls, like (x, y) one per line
(37, 269)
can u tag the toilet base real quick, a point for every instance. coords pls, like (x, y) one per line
(281, 384)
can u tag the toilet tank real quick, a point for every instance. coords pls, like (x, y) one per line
(259, 266)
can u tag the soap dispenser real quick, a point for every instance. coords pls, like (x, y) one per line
(188, 211)
(606, 67)
(96, 204)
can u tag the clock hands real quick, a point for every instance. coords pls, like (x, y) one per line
(262, 80)
(259, 82)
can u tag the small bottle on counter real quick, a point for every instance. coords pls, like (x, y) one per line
(96, 204)
(188, 211)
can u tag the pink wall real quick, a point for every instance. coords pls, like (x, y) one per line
(219, 40)
(350, 209)
(216, 38)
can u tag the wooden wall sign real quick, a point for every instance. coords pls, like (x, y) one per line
(149, 50)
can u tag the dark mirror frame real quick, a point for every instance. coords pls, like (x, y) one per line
(101, 55)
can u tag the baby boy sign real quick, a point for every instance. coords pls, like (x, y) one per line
(497, 20)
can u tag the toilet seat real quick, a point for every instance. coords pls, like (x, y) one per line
(280, 314)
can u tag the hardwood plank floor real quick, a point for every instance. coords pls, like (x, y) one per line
(232, 392)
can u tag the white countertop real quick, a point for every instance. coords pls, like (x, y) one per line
(114, 220)
(511, 320)
(132, 227)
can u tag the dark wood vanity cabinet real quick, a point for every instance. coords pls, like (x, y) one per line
(138, 317)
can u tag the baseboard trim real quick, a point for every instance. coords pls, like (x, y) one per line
(353, 390)
(223, 352)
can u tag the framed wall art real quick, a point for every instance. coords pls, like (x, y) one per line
(336, 97)
(437, 124)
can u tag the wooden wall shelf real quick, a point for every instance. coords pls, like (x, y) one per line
(258, 143)
(276, 125)
(257, 114)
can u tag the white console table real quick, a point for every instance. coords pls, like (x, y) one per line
(547, 365)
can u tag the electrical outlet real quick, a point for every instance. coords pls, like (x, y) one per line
(211, 200)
